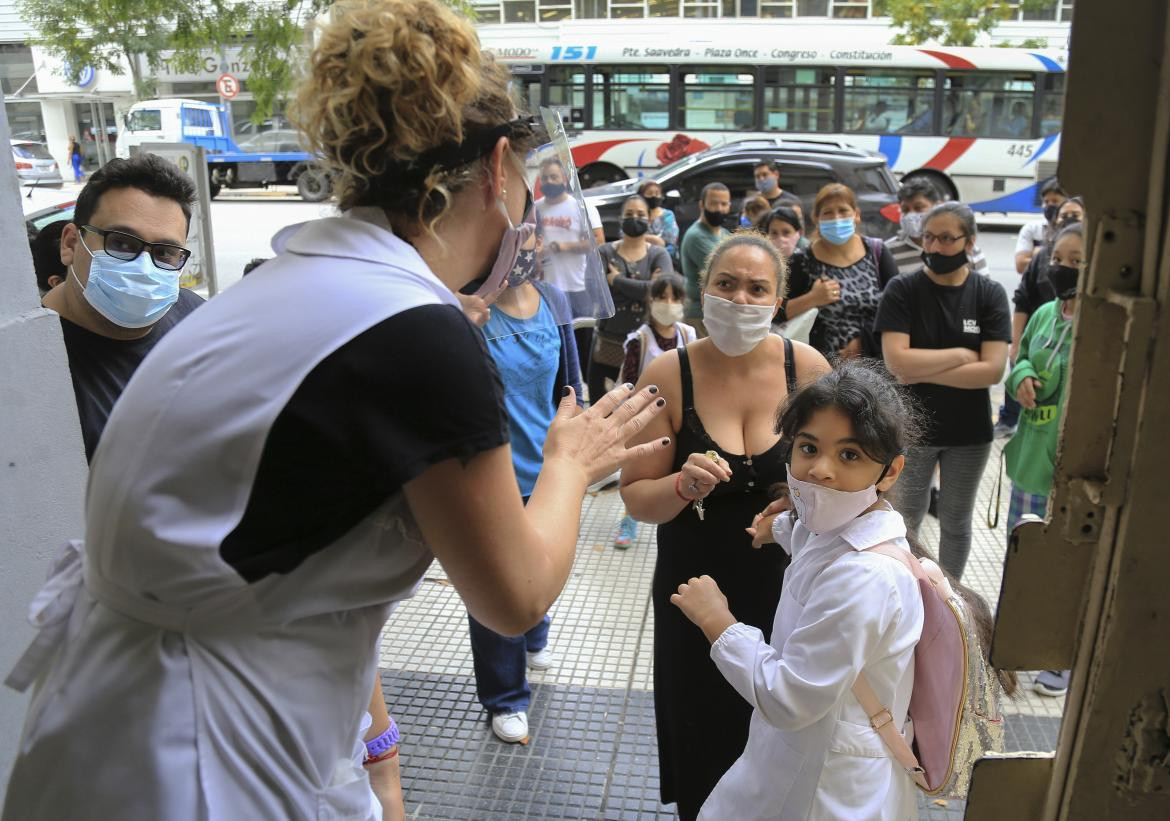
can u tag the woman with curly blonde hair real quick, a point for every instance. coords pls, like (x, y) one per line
(209, 651)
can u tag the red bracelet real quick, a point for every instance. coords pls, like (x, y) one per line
(677, 484)
(393, 751)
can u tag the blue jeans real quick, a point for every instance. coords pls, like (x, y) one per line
(501, 665)
(1009, 411)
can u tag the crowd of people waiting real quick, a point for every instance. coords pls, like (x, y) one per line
(789, 396)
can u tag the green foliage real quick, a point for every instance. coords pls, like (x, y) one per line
(951, 22)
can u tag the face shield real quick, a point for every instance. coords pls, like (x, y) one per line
(559, 260)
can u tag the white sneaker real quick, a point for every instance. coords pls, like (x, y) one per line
(511, 727)
(541, 660)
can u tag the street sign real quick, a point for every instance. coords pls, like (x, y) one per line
(227, 86)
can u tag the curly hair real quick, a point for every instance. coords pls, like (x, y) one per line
(390, 82)
(754, 239)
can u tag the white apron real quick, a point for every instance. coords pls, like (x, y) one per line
(169, 688)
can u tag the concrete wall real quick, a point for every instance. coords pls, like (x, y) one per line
(42, 460)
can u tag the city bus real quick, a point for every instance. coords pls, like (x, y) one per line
(982, 124)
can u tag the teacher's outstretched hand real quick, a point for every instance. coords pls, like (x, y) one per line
(594, 440)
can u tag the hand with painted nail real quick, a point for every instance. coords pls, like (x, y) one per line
(702, 472)
(595, 439)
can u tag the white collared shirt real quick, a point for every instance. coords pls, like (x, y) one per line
(811, 753)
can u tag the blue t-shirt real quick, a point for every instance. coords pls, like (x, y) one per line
(527, 353)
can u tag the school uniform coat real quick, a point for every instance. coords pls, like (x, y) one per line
(811, 753)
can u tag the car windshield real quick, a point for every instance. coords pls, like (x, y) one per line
(65, 213)
(31, 151)
(678, 165)
(145, 119)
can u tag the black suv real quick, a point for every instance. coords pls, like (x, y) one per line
(805, 167)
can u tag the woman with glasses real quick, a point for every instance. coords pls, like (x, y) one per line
(945, 333)
(842, 274)
(287, 464)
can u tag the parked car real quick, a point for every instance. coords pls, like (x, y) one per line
(272, 142)
(42, 207)
(34, 164)
(805, 167)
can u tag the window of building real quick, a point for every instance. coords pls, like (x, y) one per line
(1052, 112)
(25, 121)
(662, 8)
(555, 9)
(883, 101)
(590, 9)
(633, 97)
(777, 8)
(566, 94)
(812, 8)
(719, 98)
(798, 98)
(487, 11)
(1066, 9)
(519, 11)
(627, 8)
(17, 72)
(851, 9)
(700, 8)
(988, 105)
(1047, 11)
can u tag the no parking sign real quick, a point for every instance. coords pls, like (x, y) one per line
(228, 86)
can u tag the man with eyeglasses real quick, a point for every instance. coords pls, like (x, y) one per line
(123, 252)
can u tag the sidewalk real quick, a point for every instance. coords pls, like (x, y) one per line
(592, 753)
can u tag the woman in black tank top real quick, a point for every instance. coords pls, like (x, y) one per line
(702, 721)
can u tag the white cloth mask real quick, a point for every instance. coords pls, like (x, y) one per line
(822, 509)
(736, 329)
(666, 313)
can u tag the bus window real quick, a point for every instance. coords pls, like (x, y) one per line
(632, 97)
(1052, 115)
(989, 105)
(719, 99)
(519, 11)
(566, 94)
(798, 99)
(883, 101)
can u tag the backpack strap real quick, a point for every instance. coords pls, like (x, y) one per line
(882, 721)
(880, 717)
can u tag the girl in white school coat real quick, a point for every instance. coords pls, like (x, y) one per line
(811, 753)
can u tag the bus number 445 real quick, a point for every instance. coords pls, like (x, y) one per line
(574, 52)
(1021, 150)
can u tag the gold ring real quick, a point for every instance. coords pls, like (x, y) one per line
(713, 456)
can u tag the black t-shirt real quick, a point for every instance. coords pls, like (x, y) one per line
(1035, 288)
(937, 317)
(412, 391)
(101, 366)
(785, 198)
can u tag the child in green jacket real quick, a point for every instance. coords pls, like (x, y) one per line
(1038, 381)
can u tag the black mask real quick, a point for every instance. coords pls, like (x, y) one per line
(552, 190)
(1064, 280)
(1050, 212)
(635, 226)
(944, 264)
(714, 218)
(653, 202)
(1067, 220)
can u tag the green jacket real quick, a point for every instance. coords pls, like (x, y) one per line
(1044, 354)
(697, 243)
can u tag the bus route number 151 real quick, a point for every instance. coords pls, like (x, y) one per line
(574, 52)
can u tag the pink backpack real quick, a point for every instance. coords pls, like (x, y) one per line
(955, 704)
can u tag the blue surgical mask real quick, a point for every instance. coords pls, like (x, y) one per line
(837, 232)
(134, 294)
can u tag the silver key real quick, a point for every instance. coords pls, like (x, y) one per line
(698, 506)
